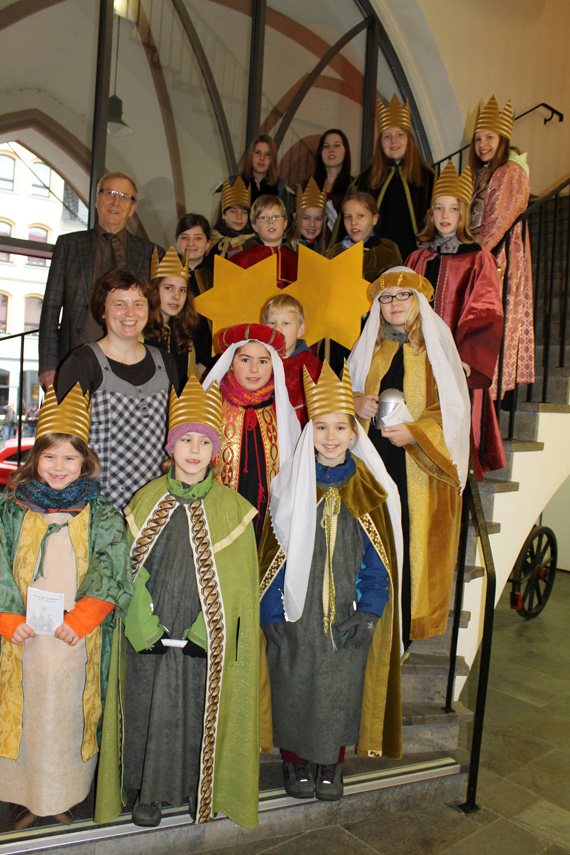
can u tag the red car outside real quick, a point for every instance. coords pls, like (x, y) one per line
(9, 456)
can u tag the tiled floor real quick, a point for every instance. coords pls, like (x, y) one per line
(524, 783)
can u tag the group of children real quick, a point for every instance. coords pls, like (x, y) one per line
(339, 541)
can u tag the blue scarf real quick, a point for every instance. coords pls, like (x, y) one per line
(39, 495)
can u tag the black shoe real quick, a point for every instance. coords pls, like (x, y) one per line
(299, 780)
(329, 785)
(147, 815)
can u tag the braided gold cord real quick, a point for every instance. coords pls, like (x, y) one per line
(329, 522)
(158, 518)
(210, 596)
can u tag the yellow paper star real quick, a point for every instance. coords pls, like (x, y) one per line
(238, 295)
(333, 294)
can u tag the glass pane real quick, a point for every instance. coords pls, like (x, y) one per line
(6, 230)
(225, 35)
(6, 172)
(3, 312)
(32, 312)
(40, 235)
(41, 179)
(333, 101)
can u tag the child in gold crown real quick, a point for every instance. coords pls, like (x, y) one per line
(329, 598)
(191, 705)
(58, 535)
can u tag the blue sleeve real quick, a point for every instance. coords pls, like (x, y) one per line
(372, 582)
(271, 607)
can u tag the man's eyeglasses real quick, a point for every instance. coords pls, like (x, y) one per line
(273, 219)
(401, 296)
(115, 196)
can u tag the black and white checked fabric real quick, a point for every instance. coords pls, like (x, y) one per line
(128, 430)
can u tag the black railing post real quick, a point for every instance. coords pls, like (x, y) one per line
(507, 245)
(20, 399)
(562, 358)
(458, 599)
(549, 306)
(470, 804)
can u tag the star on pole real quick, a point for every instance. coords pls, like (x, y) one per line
(333, 294)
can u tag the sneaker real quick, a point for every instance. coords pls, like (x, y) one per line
(329, 785)
(299, 780)
(147, 815)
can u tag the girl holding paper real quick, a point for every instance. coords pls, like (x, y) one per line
(58, 534)
(406, 346)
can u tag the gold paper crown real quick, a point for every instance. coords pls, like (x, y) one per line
(328, 394)
(311, 196)
(235, 194)
(449, 183)
(490, 119)
(169, 266)
(405, 278)
(71, 416)
(196, 405)
(395, 115)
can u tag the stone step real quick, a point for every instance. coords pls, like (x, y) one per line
(426, 727)
(526, 418)
(424, 677)
(558, 388)
(512, 446)
(554, 354)
(372, 786)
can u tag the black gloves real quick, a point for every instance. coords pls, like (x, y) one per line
(274, 633)
(363, 624)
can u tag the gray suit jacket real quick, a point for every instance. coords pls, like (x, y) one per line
(68, 290)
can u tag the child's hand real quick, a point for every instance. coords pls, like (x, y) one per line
(366, 406)
(398, 435)
(22, 632)
(65, 633)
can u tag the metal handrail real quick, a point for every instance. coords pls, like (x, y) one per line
(472, 507)
(553, 112)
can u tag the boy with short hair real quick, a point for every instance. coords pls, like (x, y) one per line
(269, 220)
(287, 315)
(232, 229)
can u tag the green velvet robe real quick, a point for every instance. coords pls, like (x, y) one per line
(100, 545)
(230, 751)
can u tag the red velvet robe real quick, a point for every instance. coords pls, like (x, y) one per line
(467, 297)
(286, 261)
(293, 366)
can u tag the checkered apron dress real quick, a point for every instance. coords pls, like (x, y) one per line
(128, 428)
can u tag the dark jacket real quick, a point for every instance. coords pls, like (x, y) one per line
(69, 287)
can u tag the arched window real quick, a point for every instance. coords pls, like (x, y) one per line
(5, 231)
(32, 312)
(7, 167)
(41, 179)
(40, 234)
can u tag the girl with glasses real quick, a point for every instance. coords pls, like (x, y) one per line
(405, 346)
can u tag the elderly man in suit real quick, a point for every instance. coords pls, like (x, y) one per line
(79, 259)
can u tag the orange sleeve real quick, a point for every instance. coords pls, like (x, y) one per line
(87, 615)
(9, 623)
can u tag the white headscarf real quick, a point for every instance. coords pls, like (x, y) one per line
(447, 371)
(293, 505)
(288, 427)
